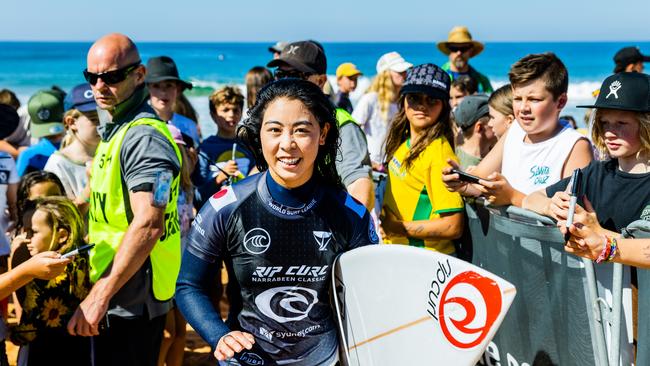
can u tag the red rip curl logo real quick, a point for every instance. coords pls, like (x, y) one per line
(460, 299)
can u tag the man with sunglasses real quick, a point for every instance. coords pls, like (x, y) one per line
(306, 60)
(460, 47)
(133, 220)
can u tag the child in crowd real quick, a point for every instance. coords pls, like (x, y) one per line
(221, 158)
(17, 140)
(501, 113)
(347, 75)
(53, 224)
(166, 88)
(376, 108)
(418, 210)
(256, 78)
(172, 347)
(46, 113)
(461, 87)
(538, 150)
(8, 186)
(472, 116)
(32, 186)
(621, 131)
(78, 149)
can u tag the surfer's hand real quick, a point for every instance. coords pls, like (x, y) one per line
(231, 343)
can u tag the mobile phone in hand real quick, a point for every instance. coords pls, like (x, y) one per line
(466, 177)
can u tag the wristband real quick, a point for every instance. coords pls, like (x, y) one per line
(607, 246)
(612, 252)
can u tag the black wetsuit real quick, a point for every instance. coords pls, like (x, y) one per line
(282, 244)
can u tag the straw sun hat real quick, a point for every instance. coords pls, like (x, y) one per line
(460, 35)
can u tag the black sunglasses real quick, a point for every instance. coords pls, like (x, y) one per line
(111, 77)
(462, 49)
(283, 74)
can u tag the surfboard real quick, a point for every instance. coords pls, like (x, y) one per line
(401, 305)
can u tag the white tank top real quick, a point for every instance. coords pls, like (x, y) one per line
(531, 167)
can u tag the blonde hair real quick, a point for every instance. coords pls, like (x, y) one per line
(597, 132)
(501, 100)
(62, 214)
(226, 95)
(69, 137)
(383, 85)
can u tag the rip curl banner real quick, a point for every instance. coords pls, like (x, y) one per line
(401, 305)
(549, 321)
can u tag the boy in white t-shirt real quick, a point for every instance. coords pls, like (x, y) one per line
(538, 150)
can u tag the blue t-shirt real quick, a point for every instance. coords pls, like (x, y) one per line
(35, 157)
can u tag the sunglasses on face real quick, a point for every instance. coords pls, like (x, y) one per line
(421, 99)
(110, 77)
(283, 74)
(461, 49)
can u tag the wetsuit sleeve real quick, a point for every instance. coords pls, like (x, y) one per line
(362, 226)
(200, 263)
(192, 288)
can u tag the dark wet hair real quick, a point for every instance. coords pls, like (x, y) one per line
(312, 97)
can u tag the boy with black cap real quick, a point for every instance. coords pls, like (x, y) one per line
(46, 112)
(630, 59)
(472, 116)
(306, 60)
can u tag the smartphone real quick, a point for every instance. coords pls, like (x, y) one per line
(162, 188)
(466, 177)
(78, 251)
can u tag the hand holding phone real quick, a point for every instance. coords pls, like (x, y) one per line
(466, 177)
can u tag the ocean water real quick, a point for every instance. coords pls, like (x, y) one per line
(26, 67)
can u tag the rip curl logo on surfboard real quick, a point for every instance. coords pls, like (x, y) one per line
(465, 305)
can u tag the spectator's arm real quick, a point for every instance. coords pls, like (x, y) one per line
(579, 157)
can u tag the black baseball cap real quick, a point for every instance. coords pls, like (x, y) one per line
(427, 79)
(627, 91)
(305, 56)
(630, 55)
(9, 120)
(163, 68)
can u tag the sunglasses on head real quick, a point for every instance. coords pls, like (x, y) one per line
(463, 49)
(283, 74)
(421, 99)
(111, 77)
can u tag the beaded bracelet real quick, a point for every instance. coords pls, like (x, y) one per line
(612, 252)
(607, 248)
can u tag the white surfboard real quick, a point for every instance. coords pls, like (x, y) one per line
(401, 305)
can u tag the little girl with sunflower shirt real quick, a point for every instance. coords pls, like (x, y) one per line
(53, 223)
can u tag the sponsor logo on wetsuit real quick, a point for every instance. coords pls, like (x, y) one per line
(257, 241)
(250, 358)
(301, 273)
(269, 334)
(291, 211)
(287, 303)
(322, 239)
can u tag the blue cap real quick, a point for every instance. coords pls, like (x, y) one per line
(80, 98)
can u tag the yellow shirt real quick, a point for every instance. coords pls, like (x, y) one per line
(418, 193)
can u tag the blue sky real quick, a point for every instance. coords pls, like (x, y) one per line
(339, 21)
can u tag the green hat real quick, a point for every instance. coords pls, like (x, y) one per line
(46, 111)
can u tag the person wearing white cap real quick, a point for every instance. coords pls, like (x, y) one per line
(376, 108)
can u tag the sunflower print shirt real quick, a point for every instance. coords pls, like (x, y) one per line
(48, 305)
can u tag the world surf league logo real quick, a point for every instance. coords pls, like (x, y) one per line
(465, 305)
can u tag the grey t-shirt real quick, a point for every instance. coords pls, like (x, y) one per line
(352, 159)
(144, 153)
